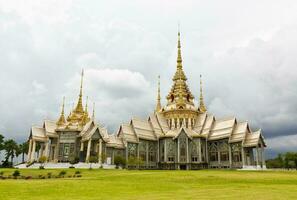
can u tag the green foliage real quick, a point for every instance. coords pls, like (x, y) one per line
(287, 160)
(77, 172)
(1, 142)
(42, 159)
(119, 161)
(11, 149)
(134, 162)
(62, 173)
(16, 173)
(73, 159)
(93, 159)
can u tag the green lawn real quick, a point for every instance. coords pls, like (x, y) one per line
(124, 184)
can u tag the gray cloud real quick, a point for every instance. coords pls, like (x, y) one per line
(247, 61)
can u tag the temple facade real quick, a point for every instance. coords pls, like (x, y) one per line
(178, 135)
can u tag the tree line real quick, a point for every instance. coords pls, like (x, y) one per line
(286, 160)
(12, 150)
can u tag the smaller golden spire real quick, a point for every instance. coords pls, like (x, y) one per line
(93, 115)
(85, 118)
(62, 120)
(158, 106)
(202, 107)
(79, 107)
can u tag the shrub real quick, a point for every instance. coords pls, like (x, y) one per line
(62, 173)
(77, 172)
(1, 173)
(119, 161)
(93, 159)
(73, 160)
(16, 173)
(28, 177)
(49, 174)
(41, 167)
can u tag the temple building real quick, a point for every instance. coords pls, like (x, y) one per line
(178, 135)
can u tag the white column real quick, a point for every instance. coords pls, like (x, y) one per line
(206, 151)
(178, 151)
(165, 151)
(100, 151)
(230, 156)
(187, 142)
(81, 146)
(46, 150)
(57, 149)
(243, 157)
(199, 150)
(88, 151)
(257, 157)
(29, 151)
(33, 151)
(263, 157)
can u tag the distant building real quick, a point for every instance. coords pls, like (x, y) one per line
(179, 135)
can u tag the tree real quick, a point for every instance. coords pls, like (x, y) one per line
(11, 149)
(119, 161)
(1, 144)
(24, 147)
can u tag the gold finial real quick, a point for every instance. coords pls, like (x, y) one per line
(62, 120)
(158, 106)
(179, 58)
(202, 107)
(79, 107)
(93, 116)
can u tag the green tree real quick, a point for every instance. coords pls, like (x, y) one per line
(11, 149)
(24, 147)
(1, 144)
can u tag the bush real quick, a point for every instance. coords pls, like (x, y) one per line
(1, 173)
(42, 159)
(77, 172)
(49, 175)
(41, 167)
(16, 173)
(119, 161)
(62, 173)
(73, 160)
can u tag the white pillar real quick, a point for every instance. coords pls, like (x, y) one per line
(257, 157)
(165, 151)
(178, 152)
(230, 156)
(46, 150)
(81, 146)
(243, 157)
(33, 151)
(100, 151)
(29, 151)
(263, 157)
(88, 151)
(199, 150)
(206, 151)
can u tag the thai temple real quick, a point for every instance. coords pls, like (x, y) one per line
(178, 135)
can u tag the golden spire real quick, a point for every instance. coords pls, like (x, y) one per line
(93, 115)
(79, 107)
(62, 120)
(158, 106)
(202, 107)
(179, 79)
(85, 118)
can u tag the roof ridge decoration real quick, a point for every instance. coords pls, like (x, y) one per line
(202, 107)
(61, 121)
(158, 105)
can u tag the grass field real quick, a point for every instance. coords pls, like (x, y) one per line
(142, 185)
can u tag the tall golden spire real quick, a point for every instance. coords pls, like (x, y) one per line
(79, 107)
(61, 121)
(202, 107)
(179, 79)
(158, 106)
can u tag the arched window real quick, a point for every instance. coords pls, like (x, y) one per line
(213, 152)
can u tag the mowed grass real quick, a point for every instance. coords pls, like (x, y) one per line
(153, 184)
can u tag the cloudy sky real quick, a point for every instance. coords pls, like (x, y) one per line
(246, 51)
